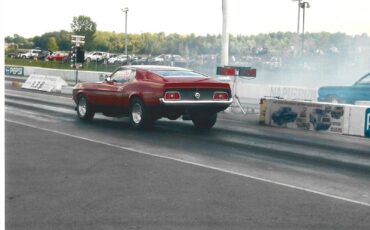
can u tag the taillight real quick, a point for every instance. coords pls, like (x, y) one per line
(172, 95)
(220, 96)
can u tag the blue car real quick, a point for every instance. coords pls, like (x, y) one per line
(360, 91)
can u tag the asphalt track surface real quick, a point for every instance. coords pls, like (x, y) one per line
(62, 173)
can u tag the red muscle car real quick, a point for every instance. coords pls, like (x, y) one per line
(147, 93)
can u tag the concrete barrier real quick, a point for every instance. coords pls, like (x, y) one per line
(318, 116)
(257, 91)
(67, 75)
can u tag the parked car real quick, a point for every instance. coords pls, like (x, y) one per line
(30, 54)
(284, 115)
(359, 91)
(96, 56)
(44, 54)
(169, 59)
(140, 60)
(147, 93)
(120, 59)
(57, 56)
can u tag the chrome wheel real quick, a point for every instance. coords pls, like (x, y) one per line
(82, 106)
(137, 113)
(140, 116)
(84, 109)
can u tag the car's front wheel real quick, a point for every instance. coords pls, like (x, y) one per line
(84, 109)
(140, 116)
(204, 121)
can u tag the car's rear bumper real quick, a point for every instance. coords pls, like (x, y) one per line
(195, 103)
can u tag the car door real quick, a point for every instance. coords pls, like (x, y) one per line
(111, 93)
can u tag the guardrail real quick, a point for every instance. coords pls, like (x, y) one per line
(67, 75)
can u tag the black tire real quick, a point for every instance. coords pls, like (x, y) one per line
(84, 109)
(140, 116)
(204, 121)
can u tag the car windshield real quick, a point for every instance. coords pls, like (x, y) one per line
(177, 73)
(364, 81)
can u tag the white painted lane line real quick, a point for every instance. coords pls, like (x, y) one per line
(195, 164)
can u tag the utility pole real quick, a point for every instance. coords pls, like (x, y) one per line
(304, 5)
(225, 35)
(125, 10)
(299, 13)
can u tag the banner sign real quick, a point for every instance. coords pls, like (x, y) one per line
(308, 116)
(14, 71)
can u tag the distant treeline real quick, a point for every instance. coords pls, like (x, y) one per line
(282, 44)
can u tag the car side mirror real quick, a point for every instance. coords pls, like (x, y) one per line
(107, 78)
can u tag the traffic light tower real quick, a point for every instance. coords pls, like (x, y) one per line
(79, 53)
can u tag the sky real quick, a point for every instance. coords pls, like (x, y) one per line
(30, 18)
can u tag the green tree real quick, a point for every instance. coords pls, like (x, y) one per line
(63, 40)
(21, 42)
(52, 44)
(83, 25)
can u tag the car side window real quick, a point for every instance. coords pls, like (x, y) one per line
(122, 76)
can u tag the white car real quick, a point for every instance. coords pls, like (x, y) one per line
(120, 59)
(30, 54)
(96, 56)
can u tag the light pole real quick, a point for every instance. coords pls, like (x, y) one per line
(299, 13)
(225, 35)
(304, 5)
(125, 10)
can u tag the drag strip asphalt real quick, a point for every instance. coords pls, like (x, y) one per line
(59, 181)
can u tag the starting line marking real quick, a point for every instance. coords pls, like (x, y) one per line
(195, 164)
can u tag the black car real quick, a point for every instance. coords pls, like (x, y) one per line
(43, 55)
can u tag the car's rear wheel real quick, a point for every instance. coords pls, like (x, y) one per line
(140, 116)
(84, 109)
(204, 121)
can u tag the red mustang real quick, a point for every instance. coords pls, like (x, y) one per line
(147, 93)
